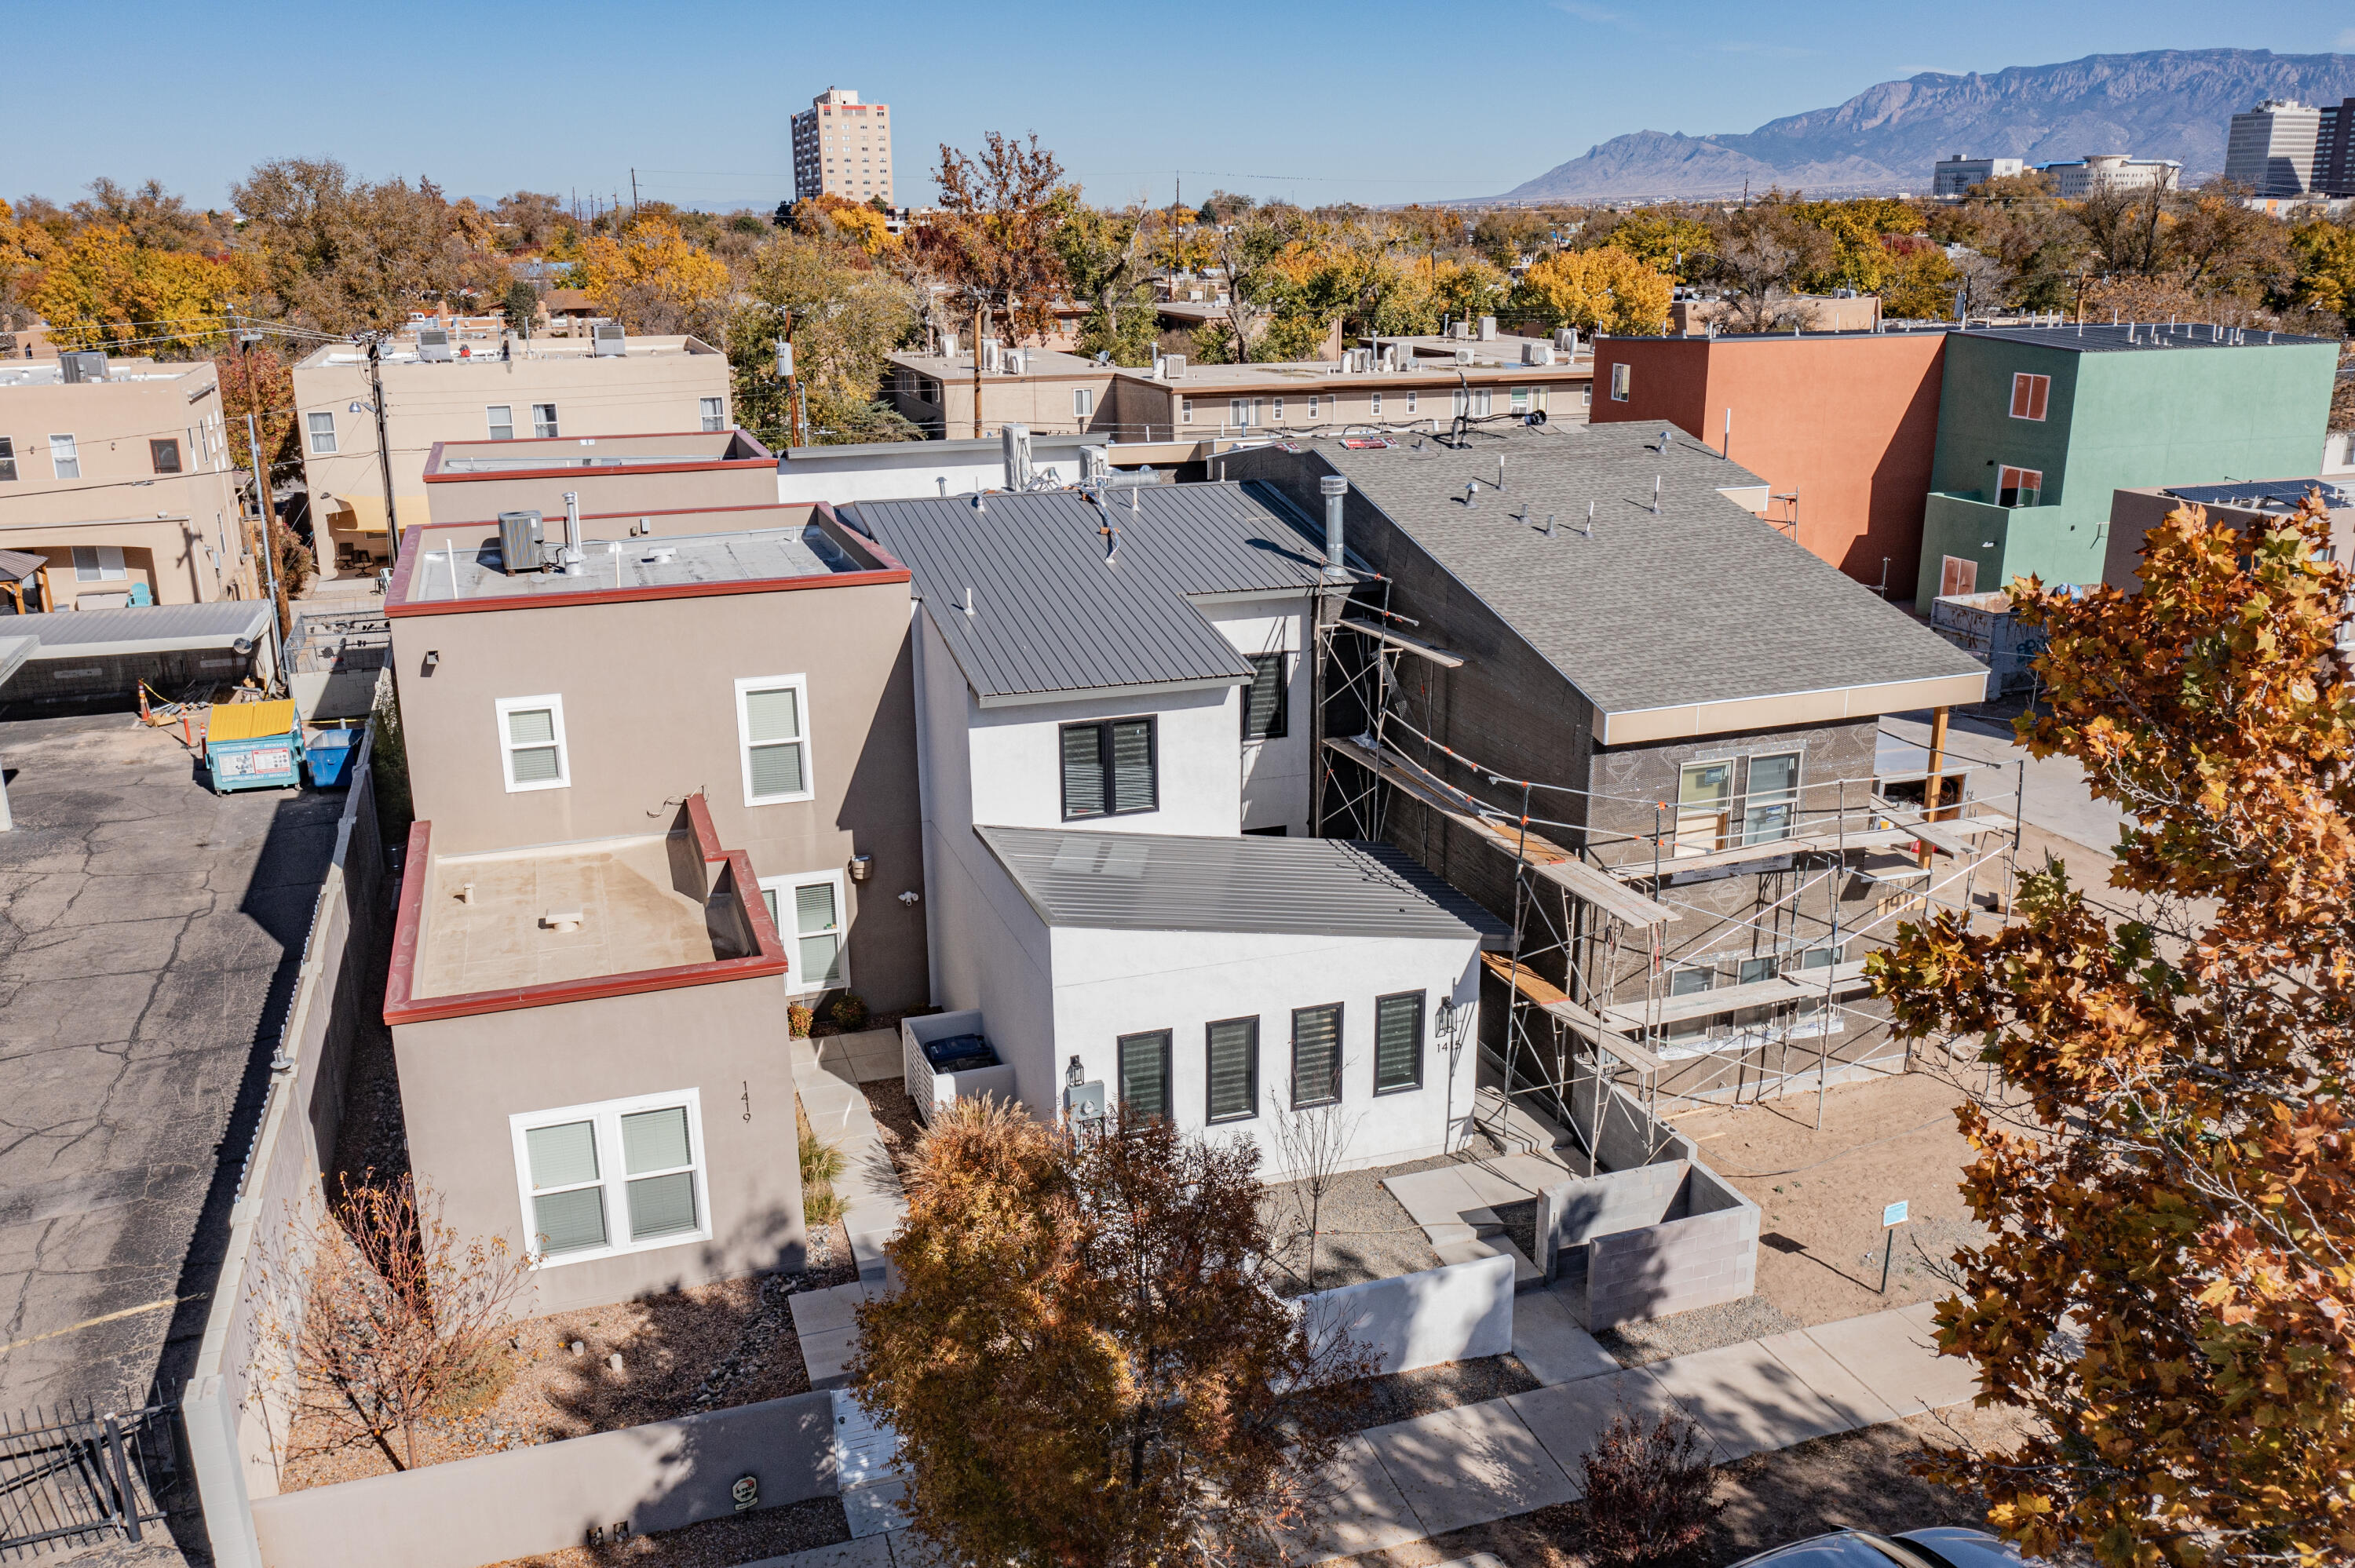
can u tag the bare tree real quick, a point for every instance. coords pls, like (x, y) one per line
(994, 239)
(1313, 1142)
(380, 1313)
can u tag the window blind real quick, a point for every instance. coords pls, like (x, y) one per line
(1316, 1055)
(565, 1157)
(818, 935)
(1083, 781)
(531, 735)
(1263, 699)
(1398, 1041)
(772, 725)
(661, 1204)
(1234, 1069)
(1132, 765)
(1145, 1073)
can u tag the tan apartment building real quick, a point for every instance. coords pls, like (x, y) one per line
(1177, 400)
(659, 801)
(501, 390)
(474, 482)
(842, 147)
(1051, 392)
(116, 474)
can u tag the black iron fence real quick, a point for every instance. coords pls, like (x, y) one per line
(70, 1473)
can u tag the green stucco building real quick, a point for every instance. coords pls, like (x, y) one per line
(2037, 426)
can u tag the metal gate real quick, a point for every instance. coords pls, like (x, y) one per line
(70, 1473)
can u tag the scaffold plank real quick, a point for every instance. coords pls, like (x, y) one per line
(1439, 656)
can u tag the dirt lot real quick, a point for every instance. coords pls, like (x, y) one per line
(1822, 1192)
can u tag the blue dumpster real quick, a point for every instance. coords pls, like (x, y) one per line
(329, 755)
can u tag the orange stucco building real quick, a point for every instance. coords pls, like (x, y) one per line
(1842, 426)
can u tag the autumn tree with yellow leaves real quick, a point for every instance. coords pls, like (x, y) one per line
(1087, 1361)
(654, 280)
(1603, 289)
(105, 291)
(2165, 1165)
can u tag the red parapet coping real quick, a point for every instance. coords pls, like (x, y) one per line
(401, 1007)
(394, 610)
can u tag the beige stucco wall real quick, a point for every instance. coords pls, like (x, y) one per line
(179, 532)
(1041, 402)
(649, 703)
(1157, 407)
(462, 1079)
(658, 385)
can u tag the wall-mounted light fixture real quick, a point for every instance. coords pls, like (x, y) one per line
(431, 661)
(862, 866)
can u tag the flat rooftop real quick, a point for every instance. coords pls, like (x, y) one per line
(404, 351)
(685, 450)
(1309, 375)
(460, 564)
(49, 373)
(2283, 496)
(487, 923)
(2139, 337)
(1037, 364)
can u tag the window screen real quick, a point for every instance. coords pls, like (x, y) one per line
(1263, 698)
(533, 755)
(656, 1156)
(1108, 769)
(501, 421)
(1145, 1073)
(568, 1206)
(774, 744)
(1316, 1055)
(1234, 1069)
(1398, 1041)
(165, 455)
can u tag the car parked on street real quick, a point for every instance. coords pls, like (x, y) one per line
(1943, 1546)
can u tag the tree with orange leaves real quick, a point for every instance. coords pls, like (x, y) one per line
(2165, 1165)
(1087, 1361)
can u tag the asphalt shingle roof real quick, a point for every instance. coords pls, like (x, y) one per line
(1701, 603)
(1050, 614)
(1166, 881)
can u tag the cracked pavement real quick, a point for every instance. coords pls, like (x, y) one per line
(150, 933)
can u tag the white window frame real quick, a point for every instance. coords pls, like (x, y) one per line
(1378, 405)
(312, 428)
(64, 455)
(499, 419)
(1622, 381)
(2026, 382)
(555, 705)
(106, 563)
(545, 429)
(1082, 403)
(789, 933)
(1185, 410)
(715, 413)
(613, 1174)
(1312, 407)
(1412, 399)
(800, 684)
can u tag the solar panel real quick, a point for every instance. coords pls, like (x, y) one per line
(2283, 493)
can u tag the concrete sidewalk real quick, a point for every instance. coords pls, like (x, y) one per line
(1478, 1463)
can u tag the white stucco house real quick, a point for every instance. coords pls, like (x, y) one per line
(1114, 717)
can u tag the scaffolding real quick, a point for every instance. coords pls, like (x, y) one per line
(1601, 917)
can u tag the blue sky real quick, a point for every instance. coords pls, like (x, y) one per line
(1374, 102)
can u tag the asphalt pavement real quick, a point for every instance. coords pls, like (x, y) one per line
(2054, 794)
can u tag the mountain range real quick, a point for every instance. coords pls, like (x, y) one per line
(2163, 103)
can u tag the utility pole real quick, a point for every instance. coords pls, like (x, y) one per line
(633, 194)
(269, 554)
(383, 443)
(792, 391)
(980, 318)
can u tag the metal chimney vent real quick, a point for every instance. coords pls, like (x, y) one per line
(84, 365)
(521, 549)
(433, 343)
(608, 338)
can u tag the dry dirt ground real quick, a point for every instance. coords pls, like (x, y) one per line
(1856, 1480)
(1821, 1192)
(708, 1348)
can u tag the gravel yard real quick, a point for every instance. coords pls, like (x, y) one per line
(1707, 1328)
(714, 1543)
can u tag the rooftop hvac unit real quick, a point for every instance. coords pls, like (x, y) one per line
(84, 365)
(1536, 354)
(1173, 365)
(1459, 329)
(991, 354)
(1462, 356)
(1566, 340)
(1014, 362)
(1487, 329)
(521, 548)
(607, 337)
(948, 344)
(433, 345)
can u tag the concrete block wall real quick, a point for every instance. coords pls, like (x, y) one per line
(1699, 1261)
(1575, 1212)
(546, 1497)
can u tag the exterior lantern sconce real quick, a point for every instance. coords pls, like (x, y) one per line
(1074, 1074)
(1445, 1017)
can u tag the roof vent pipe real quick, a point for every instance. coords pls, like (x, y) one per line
(571, 519)
(1335, 490)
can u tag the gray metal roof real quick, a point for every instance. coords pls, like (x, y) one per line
(157, 629)
(1702, 603)
(1052, 615)
(2137, 337)
(1165, 882)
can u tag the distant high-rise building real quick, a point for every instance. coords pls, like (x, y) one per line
(842, 147)
(1956, 175)
(2334, 150)
(2273, 146)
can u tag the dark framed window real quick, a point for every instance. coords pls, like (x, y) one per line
(1145, 1073)
(1316, 1055)
(8, 457)
(1398, 1041)
(1110, 769)
(165, 455)
(1233, 1053)
(1263, 702)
